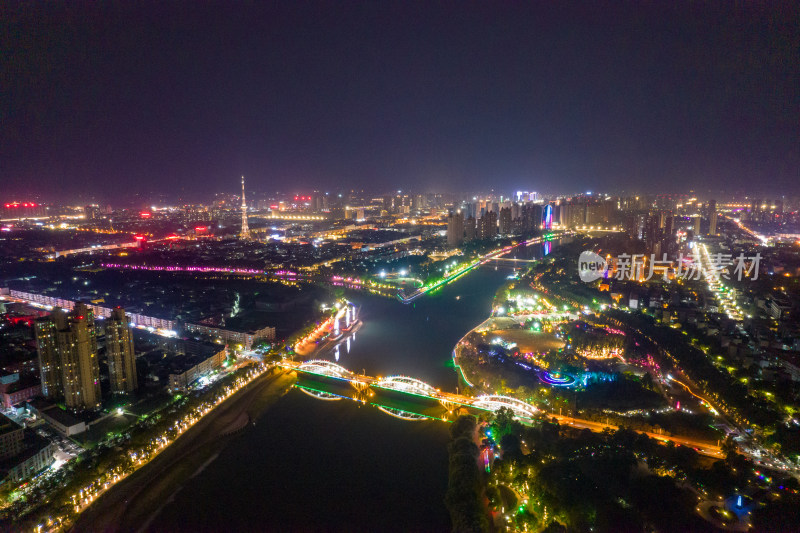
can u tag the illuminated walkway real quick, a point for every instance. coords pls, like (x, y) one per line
(437, 404)
(410, 399)
(495, 255)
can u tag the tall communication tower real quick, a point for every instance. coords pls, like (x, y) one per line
(245, 229)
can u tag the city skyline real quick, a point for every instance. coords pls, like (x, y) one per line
(258, 198)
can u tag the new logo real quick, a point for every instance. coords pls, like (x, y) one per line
(591, 266)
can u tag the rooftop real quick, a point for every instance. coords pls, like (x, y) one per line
(7, 425)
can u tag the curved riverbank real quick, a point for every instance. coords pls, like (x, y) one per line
(310, 465)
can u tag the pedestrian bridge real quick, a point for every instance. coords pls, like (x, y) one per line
(403, 397)
(411, 399)
(326, 368)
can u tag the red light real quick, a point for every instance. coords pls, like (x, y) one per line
(173, 237)
(138, 237)
(145, 214)
(200, 228)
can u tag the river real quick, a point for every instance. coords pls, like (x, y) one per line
(312, 465)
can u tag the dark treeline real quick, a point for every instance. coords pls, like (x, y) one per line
(465, 488)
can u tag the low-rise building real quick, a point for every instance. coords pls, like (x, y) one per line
(11, 435)
(19, 391)
(62, 421)
(232, 336)
(137, 320)
(36, 455)
(191, 367)
(779, 308)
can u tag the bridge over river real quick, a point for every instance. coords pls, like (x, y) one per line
(400, 396)
(410, 399)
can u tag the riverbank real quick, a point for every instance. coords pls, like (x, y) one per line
(134, 502)
(309, 465)
(490, 324)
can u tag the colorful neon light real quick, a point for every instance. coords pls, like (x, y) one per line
(556, 379)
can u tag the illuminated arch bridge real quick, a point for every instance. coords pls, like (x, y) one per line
(322, 395)
(407, 384)
(326, 368)
(495, 402)
(402, 415)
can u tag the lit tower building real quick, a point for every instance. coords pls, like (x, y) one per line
(470, 229)
(67, 347)
(712, 217)
(505, 220)
(81, 309)
(245, 229)
(455, 229)
(80, 371)
(121, 357)
(547, 217)
(45, 329)
(663, 219)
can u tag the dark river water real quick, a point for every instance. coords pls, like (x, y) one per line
(313, 465)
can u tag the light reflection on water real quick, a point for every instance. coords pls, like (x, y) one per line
(314, 465)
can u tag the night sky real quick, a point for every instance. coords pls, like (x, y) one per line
(557, 97)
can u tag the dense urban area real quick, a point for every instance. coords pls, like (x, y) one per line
(657, 389)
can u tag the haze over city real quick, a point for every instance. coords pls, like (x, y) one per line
(181, 98)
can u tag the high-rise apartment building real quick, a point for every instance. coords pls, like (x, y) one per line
(80, 371)
(49, 361)
(121, 357)
(756, 206)
(599, 212)
(635, 225)
(455, 229)
(470, 229)
(652, 234)
(532, 217)
(67, 346)
(505, 220)
(81, 309)
(487, 225)
(91, 212)
(572, 214)
(712, 217)
(663, 216)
